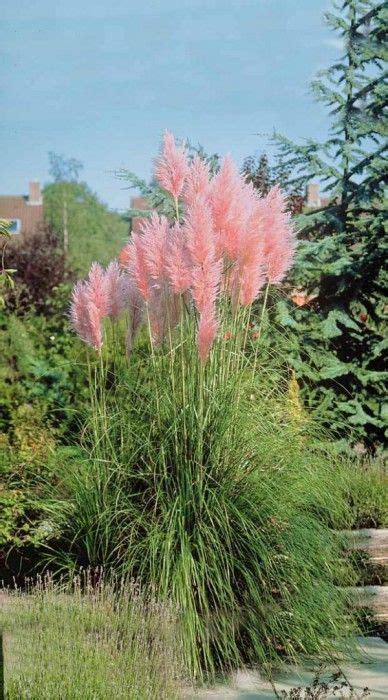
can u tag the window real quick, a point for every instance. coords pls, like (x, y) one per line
(15, 225)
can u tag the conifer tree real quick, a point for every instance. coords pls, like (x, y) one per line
(342, 253)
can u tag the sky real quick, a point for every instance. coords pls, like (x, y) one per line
(100, 81)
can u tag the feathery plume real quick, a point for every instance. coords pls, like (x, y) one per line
(205, 268)
(205, 282)
(279, 236)
(229, 197)
(230, 241)
(197, 181)
(171, 166)
(137, 265)
(124, 257)
(198, 230)
(207, 331)
(95, 327)
(85, 317)
(177, 261)
(116, 285)
(248, 275)
(155, 233)
(96, 283)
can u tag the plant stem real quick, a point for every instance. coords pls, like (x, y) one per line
(183, 370)
(263, 309)
(260, 329)
(176, 209)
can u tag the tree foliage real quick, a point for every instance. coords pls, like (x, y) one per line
(263, 176)
(64, 169)
(94, 232)
(342, 256)
(257, 171)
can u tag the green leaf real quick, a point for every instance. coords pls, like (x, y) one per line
(329, 326)
(336, 369)
(283, 315)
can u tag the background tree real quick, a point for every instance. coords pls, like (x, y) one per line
(263, 175)
(257, 171)
(342, 256)
(64, 169)
(88, 229)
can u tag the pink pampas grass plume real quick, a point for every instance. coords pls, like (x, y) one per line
(124, 257)
(198, 230)
(85, 317)
(205, 282)
(279, 236)
(137, 265)
(96, 283)
(251, 281)
(95, 327)
(207, 331)
(223, 188)
(116, 283)
(197, 181)
(155, 234)
(205, 268)
(178, 262)
(228, 200)
(248, 276)
(171, 166)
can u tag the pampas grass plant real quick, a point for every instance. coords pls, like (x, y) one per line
(197, 475)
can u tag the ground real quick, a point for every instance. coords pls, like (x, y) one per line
(371, 673)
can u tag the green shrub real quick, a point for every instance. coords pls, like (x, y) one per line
(40, 268)
(40, 368)
(41, 389)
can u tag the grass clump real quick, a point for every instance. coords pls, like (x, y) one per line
(88, 639)
(368, 494)
(224, 506)
(199, 476)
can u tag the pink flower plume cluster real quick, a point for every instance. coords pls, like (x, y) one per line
(171, 166)
(228, 241)
(104, 293)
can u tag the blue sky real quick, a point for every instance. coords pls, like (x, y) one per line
(100, 81)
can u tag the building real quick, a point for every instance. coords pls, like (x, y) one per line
(24, 213)
(137, 204)
(313, 198)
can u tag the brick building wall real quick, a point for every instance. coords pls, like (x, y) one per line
(23, 212)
